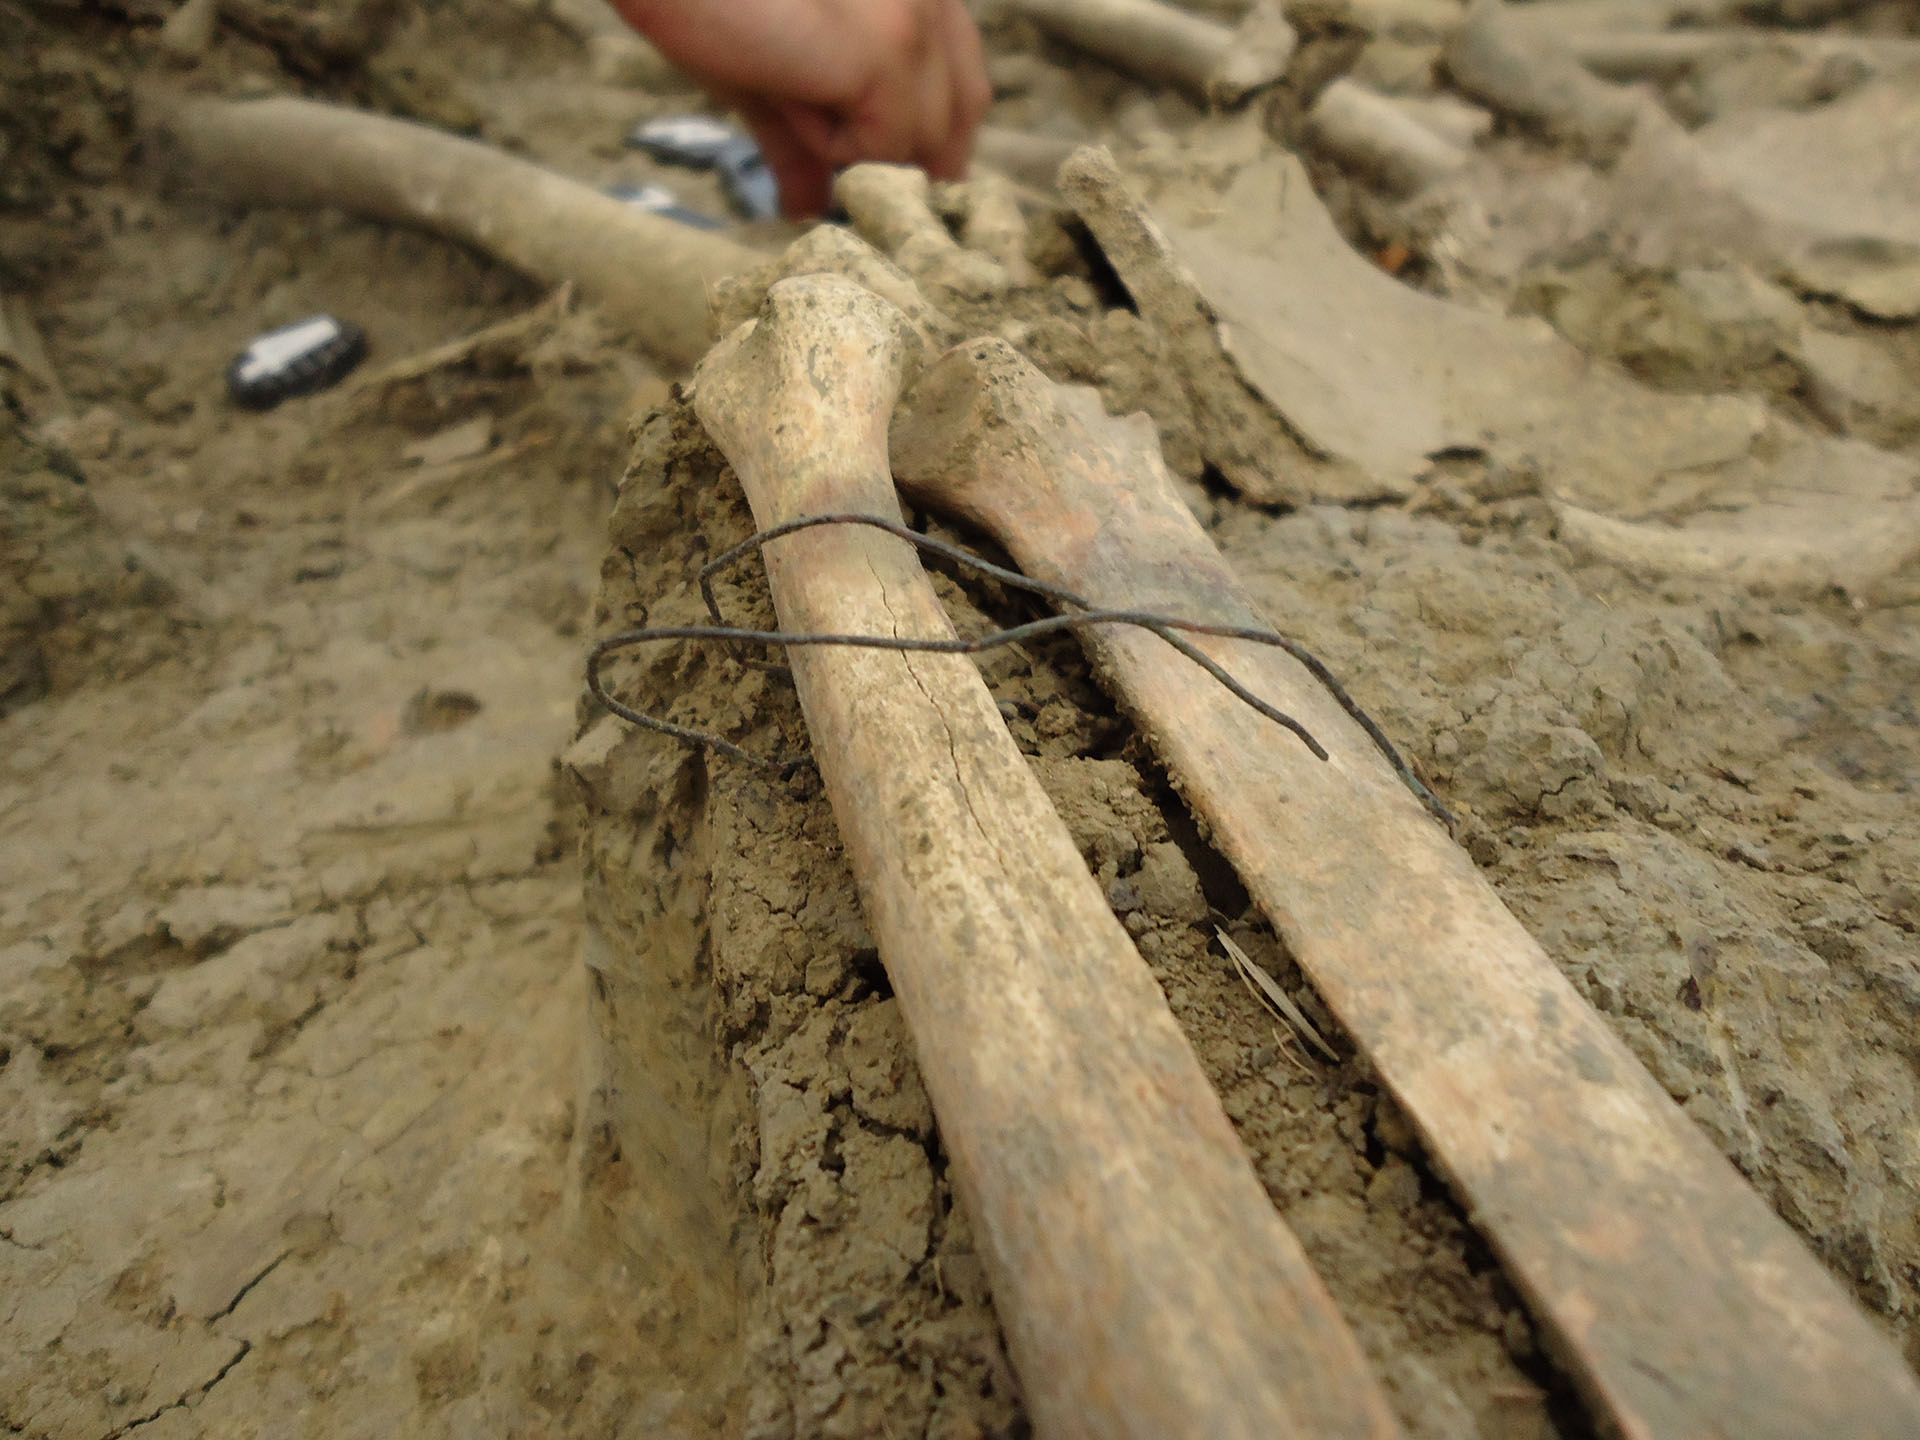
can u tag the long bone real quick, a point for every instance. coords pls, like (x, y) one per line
(1679, 1302)
(649, 271)
(888, 204)
(1146, 1285)
(1214, 63)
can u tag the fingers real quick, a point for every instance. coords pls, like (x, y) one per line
(824, 84)
(971, 93)
(785, 134)
(927, 97)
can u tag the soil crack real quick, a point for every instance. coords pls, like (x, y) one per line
(953, 746)
(247, 1289)
(246, 1348)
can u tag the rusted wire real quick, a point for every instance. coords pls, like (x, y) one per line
(1169, 628)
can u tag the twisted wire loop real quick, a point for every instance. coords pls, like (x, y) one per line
(1169, 628)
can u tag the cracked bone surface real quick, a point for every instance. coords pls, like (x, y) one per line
(1146, 1285)
(1681, 1304)
(1214, 63)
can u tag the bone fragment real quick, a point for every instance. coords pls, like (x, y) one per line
(1378, 378)
(888, 205)
(1515, 55)
(1826, 198)
(1799, 543)
(649, 272)
(1244, 435)
(1521, 67)
(1682, 1306)
(1146, 1285)
(1376, 135)
(830, 250)
(1214, 63)
(994, 224)
(1371, 374)
(1855, 384)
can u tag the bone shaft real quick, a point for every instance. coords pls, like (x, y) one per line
(1145, 1283)
(889, 204)
(1501, 56)
(1146, 1286)
(1683, 1306)
(1371, 133)
(650, 272)
(1151, 40)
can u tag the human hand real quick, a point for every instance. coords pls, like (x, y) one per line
(826, 83)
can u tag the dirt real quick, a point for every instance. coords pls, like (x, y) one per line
(291, 982)
(312, 1120)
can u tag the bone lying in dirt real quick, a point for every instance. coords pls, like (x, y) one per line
(1032, 160)
(994, 224)
(1145, 1283)
(829, 250)
(1245, 436)
(1825, 196)
(1216, 64)
(1680, 1303)
(888, 204)
(1379, 136)
(1517, 63)
(1264, 301)
(652, 273)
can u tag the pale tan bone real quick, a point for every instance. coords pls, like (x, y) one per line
(1243, 432)
(888, 205)
(1382, 137)
(1825, 197)
(1529, 59)
(650, 272)
(1516, 63)
(1800, 544)
(1216, 64)
(829, 250)
(1146, 1285)
(994, 224)
(1679, 1302)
